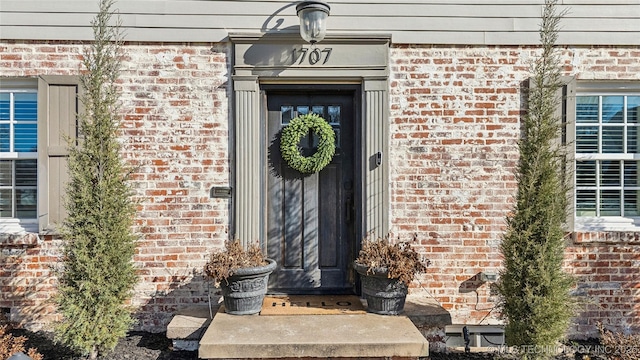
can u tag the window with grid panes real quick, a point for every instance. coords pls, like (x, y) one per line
(18, 154)
(607, 155)
(331, 113)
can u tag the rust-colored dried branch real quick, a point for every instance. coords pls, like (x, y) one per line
(223, 264)
(400, 259)
(10, 345)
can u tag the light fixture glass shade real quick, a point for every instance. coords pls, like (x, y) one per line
(313, 20)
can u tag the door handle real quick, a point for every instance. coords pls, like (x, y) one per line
(349, 206)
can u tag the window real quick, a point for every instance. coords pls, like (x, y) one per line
(36, 116)
(18, 154)
(607, 158)
(331, 113)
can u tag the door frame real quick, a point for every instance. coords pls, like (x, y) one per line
(355, 90)
(265, 59)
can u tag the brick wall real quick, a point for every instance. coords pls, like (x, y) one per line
(175, 132)
(454, 121)
(454, 118)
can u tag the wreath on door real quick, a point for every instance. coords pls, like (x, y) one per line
(292, 134)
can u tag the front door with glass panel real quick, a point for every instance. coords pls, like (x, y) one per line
(310, 218)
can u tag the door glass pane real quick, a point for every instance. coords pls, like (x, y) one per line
(586, 173)
(5, 203)
(586, 202)
(612, 109)
(336, 130)
(26, 203)
(26, 106)
(303, 110)
(334, 115)
(5, 173)
(26, 173)
(587, 139)
(286, 114)
(631, 173)
(26, 138)
(4, 138)
(318, 109)
(612, 139)
(633, 107)
(587, 109)
(610, 203)
(631, 203)
(610, 173)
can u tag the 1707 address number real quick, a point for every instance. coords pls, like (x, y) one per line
(312, 56)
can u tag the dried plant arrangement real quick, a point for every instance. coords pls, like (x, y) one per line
(225, 263)
(619, 346)
(400, 259)
(11, 345)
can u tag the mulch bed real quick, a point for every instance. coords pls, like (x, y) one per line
(136, 346)
(150, 346)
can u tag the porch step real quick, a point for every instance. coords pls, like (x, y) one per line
(188, 325)
(312, 336)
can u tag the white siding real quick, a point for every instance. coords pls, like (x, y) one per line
(497, 22)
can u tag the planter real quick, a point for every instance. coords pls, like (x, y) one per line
(384, 296)
(244, 291)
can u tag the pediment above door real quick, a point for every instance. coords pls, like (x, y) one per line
(285, 55)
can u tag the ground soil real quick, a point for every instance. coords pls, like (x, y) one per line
(136, 346)
(148, 346)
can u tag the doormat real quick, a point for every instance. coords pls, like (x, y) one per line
(312, 305)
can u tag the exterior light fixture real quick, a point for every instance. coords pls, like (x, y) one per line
(313, 20)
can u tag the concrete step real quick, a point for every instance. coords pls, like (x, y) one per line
(312, 336)
(188, 325)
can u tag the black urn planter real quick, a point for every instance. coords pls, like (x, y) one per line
(384, 296)
(244, 291)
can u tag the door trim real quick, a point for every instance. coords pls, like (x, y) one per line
(354, 61)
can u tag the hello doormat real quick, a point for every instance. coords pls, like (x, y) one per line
(312, 305)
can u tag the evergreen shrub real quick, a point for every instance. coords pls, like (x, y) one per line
(97, 276)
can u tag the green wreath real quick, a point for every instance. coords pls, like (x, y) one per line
(293, 133)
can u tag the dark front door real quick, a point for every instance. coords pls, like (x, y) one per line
(310, 221)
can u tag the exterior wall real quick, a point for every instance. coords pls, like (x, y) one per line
(454, 117)
(175, 132)
(454, 124)
(473, 22)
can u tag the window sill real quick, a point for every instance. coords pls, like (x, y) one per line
(19, 240)
(614, 230)
(16, 233)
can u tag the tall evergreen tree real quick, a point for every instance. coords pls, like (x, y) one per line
(97, 275)
(535, 290)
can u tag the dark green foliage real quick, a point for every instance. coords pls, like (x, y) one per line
(97, 275)
(293, 133)
(535, 291)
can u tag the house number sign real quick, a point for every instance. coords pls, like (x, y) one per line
(311, 56)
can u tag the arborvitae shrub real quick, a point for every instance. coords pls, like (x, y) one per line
(535, 291)
(97, 275)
